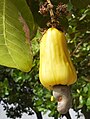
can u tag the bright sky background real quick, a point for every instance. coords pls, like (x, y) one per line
(25, 116)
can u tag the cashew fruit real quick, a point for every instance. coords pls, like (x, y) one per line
(55, 64)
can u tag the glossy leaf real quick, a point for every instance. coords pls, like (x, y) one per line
(15, 29)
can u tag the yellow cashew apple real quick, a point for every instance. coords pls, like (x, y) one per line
(55, 64)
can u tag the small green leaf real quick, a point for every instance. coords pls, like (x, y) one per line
(88, 101)
(41, 109)
(69, 6)
(81, 99)
(85, 89)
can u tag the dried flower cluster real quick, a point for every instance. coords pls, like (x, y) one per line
(47, 9)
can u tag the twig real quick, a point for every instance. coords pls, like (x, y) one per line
(78, 45)
(51, 11)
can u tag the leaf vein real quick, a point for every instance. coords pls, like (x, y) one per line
(4, 30)
(14, 36)
(13, 27)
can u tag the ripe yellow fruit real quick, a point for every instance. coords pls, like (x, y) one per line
(55, 63)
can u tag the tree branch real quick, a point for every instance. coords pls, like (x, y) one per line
(78, 45)
(50, 6)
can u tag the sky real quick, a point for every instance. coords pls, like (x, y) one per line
(25, 116)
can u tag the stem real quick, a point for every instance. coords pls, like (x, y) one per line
(85, 112)
(68, 115)
(51, 10)
(39, 115)
(78, 45)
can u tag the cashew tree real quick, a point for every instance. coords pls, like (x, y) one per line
(22, 25)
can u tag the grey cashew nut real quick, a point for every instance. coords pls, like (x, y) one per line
(63, 96)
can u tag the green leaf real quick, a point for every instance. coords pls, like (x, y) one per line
(27, 15)
(15, 31)
(69, 6)
(85, 89)
(88, 101)
(41, 109)
(80, 4)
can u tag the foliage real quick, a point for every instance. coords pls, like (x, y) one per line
(17, 88)
(24, 90)
(15, 34)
